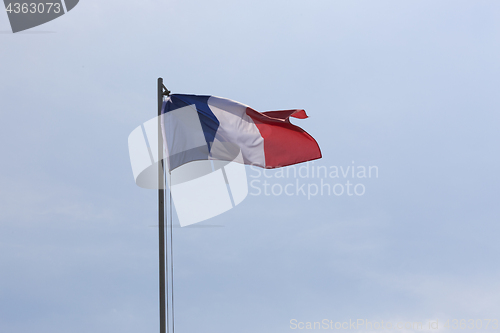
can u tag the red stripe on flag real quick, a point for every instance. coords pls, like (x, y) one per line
(284, 143)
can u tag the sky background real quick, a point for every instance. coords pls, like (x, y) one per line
(408, 86)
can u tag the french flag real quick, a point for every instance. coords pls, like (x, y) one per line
(193, 125)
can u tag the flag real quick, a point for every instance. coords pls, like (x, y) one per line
(196, 127)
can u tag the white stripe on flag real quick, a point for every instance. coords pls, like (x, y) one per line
(237, 127)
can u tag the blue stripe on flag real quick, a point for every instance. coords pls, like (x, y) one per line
(209, 123)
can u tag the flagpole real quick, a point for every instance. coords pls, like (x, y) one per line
(161, 213)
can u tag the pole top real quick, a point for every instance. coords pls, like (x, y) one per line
(165, 91)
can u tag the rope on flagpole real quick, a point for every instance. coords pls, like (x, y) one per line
(167, 288)
(172, 257)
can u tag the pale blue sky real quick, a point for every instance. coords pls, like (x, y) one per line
(408, 86)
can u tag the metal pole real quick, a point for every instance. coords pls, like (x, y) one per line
(161, 213)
